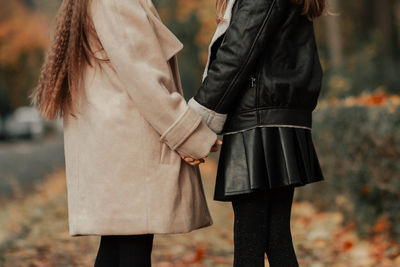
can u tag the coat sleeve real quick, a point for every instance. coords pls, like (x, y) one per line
(244, 41)
(134, 50)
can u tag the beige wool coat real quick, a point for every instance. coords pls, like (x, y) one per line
(124, 175)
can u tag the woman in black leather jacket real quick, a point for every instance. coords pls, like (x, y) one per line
(261, 84)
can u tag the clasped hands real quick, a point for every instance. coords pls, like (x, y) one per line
(195, 162)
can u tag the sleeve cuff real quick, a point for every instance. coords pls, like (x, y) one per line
(214, 120)
(181, 129)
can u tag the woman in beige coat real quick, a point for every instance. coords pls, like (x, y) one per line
(112, 75)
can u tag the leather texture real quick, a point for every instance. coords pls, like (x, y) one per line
(265, 70)
(268, 157)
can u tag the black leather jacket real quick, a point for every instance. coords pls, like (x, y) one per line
(265, 69)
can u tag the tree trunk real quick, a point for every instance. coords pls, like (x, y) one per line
(386, 31)
(334, 35)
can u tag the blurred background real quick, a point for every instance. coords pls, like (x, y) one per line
(351, 219)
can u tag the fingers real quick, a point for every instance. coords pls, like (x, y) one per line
(216, 146)
(191, 161)
(188, 159)
(195, 162)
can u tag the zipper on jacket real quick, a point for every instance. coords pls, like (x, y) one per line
(253, 81)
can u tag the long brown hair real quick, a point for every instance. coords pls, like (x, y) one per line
(312, 8)
(67, 59)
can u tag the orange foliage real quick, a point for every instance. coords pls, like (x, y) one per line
(378, 98)
(186, 8)
(382, 225)
(20, 30)
(200, 254)
(347, 245)
(365, 190)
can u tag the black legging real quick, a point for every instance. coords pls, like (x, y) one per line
(125, 251)
(262, 225)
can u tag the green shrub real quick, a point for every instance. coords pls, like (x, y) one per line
(359, 151)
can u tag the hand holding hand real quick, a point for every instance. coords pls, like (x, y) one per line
(195, 162)
(191, 161)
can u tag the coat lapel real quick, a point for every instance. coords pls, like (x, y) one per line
(221, 29)
(170, 44)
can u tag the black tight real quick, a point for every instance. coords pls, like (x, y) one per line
(125, 251)
(262, 225)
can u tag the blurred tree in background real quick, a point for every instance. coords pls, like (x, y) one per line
(359, 43)
(23, 40)
(185, 26)
(360, 46)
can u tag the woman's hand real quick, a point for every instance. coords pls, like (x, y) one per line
(195, 162)
(216, 146)
(191, 161)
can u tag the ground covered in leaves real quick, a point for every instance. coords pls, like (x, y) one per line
(34, 232)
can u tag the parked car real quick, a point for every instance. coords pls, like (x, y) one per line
(24, 122)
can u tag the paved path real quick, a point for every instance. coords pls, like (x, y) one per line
(23, 164)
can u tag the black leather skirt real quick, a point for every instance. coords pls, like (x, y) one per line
(263, 158)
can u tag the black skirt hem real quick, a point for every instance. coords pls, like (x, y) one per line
(266, 158)
(229, 196)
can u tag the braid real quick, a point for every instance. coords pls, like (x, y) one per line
(69, 54)
(75, 45)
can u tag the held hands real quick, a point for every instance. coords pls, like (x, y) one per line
(195, 162)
